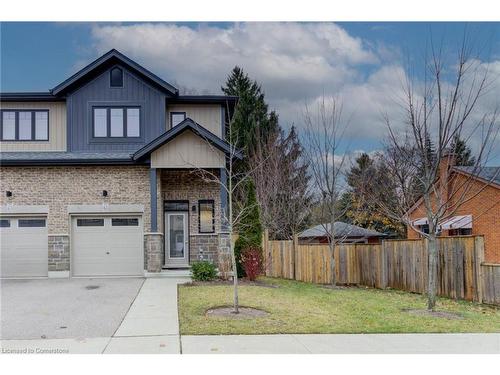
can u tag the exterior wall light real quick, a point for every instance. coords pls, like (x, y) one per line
(8, 193)
(193, 208)
(104, 193)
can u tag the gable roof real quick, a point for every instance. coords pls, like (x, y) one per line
(103, 63)
(187, 124)
(486, 174)
(342, 229)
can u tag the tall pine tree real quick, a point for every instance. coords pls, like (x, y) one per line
(250, 118)
(463, 153)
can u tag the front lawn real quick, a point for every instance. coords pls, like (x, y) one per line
(296, 307)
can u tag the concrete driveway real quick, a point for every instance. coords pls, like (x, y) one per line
(62, 308)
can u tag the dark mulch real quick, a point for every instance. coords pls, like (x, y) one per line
(243, 312)
(434, 314)
(230, 282)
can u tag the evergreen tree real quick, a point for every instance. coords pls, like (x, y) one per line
(250, 228)
(250, 118)
(365, 177)
(463, 153)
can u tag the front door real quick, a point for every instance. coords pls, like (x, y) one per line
(176, 239)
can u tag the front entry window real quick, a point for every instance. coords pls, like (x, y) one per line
(176, 235)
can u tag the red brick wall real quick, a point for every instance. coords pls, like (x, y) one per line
(484, 206)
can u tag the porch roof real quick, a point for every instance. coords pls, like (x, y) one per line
(187, 124)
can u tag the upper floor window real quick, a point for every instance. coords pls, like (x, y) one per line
(116, 77)
(117, 122)
(176, 118)
(24, 125)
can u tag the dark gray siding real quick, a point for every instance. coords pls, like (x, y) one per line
(98, 92)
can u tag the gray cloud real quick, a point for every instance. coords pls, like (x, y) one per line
(296, 63)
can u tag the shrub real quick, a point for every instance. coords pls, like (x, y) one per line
(203, 271)
(251, 260)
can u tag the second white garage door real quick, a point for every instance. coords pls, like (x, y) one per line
(107, 246)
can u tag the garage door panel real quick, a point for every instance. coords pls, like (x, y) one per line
(24, 250)
(108, 250)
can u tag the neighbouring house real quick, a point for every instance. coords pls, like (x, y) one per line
(100, 175)
(344, 233)
(479, 214)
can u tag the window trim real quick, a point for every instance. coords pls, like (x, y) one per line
(16, 125)
(175, 201)
(172, 116)
(110, 77)
(108, 137)
(211, 202)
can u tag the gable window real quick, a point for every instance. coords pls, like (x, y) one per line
(176, 118)
(116, 77)
(116, 122)
(206, 216)
(24, 125)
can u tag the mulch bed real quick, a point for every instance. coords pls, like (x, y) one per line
(243, 312)
(434, 314)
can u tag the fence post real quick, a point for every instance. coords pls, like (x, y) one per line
(478, 260)
(295, 249)
(383, 263)
(265, 250)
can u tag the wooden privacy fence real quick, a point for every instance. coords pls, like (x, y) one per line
(398, 264)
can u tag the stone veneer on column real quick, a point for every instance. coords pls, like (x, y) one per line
(153, 252)
(59, 254)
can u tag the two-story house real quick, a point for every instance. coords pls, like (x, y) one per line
(100, 175)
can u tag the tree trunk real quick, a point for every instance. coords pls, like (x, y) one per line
(332, 263)
(432, 270)
(235, 280)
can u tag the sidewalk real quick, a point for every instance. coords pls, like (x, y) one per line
(459, 343)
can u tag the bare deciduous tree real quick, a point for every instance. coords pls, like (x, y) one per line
(231, 182)
(326, 151)
(282, 184)
(418, 154)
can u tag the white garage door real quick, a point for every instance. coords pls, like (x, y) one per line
(24, 249)
(107, 246)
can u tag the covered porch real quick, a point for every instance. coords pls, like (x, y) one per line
(188, 199)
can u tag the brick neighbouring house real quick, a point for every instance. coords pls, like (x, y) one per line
(479, 214)
(100, 175)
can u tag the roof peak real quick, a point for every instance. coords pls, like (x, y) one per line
(102, 63)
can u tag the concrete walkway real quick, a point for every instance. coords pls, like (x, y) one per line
(466, 343)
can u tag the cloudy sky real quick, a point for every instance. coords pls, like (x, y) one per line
(364, 64)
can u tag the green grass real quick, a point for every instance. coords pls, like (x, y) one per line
(297, 307)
